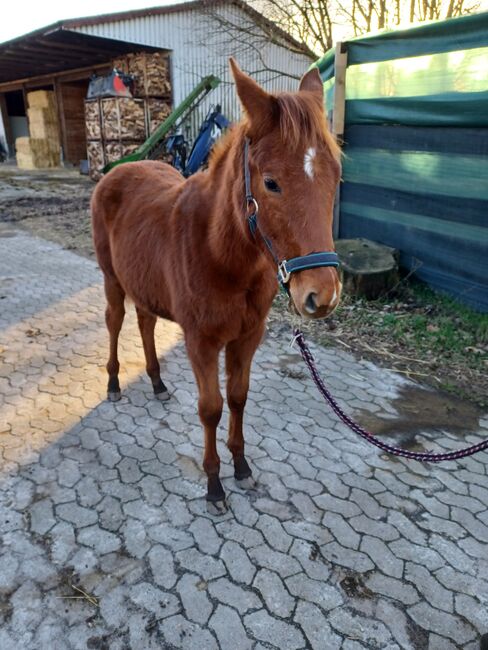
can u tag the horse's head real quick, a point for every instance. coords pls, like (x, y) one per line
(294, 164)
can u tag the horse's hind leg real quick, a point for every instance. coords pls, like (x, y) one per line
(114, 317)
(147, 323)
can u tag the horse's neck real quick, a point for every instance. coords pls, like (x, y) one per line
(229, 236)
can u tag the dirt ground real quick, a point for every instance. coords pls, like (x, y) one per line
(413, 333)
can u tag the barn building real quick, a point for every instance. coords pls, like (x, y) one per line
(197, 37)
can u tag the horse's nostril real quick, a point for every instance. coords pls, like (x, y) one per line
(310, 303)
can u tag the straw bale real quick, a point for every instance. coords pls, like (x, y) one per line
(43, 123)
(37, 153)
(41, 99)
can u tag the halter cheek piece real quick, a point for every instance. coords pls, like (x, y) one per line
(294, 264)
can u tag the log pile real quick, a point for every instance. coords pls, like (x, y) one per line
(42, 149)
(116, 126)
(150, 71)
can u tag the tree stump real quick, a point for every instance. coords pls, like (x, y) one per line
(369, 269)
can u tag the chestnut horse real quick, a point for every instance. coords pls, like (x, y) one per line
(182, 249)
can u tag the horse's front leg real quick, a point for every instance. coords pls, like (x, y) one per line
(238, 357)
(204, 357)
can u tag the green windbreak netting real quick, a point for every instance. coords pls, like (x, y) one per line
(438, 72)
(415, 170)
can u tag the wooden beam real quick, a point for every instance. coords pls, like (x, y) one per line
(338, 118)
(67, 75)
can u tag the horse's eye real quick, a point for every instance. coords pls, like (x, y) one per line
(271, 185)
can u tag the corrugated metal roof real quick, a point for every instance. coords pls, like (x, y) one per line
(53, 49)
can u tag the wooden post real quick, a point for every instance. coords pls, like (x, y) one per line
(7, 127)
(338, 117)
(63, 135)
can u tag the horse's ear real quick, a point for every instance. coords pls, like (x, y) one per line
(257, 103)
(312, 82)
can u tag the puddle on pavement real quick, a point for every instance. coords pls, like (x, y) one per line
(421, 410)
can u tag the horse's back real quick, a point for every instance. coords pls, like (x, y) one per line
(127, 206)
(132, 184)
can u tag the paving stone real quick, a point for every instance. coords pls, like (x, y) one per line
(230, 594)
(271, 630)
(316, 628)
(192, 590)
(427, 585)
(76, 515)
(162, 566)
(237, 563)
(100, 540)
(180, 633)
(229, 629)
(277, 599)
(207, 567)
(282, 564)
(436, 621)
(112, 495)
(42, 516)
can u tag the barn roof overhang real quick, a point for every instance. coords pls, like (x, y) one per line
(55, 49)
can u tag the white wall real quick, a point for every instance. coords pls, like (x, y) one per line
(199, 47)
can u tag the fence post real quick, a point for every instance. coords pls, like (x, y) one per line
(338, 117)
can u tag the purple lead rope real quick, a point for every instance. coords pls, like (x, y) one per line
(396, 451)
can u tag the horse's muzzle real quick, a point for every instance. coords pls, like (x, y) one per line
(314, 300)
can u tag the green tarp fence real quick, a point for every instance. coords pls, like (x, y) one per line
(415, 172)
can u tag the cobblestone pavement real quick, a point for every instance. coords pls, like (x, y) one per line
(339, 546)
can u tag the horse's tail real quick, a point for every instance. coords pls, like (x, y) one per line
(102, 212)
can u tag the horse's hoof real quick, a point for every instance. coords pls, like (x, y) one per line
(217, 508)
(246, 483)
(163, 396)
(114, 396)
(484, 642)
(160, 391)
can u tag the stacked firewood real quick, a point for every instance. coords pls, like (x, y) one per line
(116, 126)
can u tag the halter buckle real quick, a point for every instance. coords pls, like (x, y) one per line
(283, 273)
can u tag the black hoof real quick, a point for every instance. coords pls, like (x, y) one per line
(241, 469)
(217, 508)
(215, 496)
(484, 642)
(160, 391)
(114, 396)
(247, 483)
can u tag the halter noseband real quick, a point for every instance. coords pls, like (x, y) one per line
(294, 264)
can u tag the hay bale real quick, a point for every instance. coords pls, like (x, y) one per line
(37, 153)
(43, 123)
(41, 99)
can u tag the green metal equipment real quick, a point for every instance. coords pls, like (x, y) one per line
(154, 144)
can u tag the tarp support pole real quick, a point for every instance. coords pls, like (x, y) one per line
(338, 116)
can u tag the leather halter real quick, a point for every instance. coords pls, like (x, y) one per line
(294, 264)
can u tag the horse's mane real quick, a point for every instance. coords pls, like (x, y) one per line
(301, 118)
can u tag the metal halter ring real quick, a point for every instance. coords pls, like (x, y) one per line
(252, 200)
